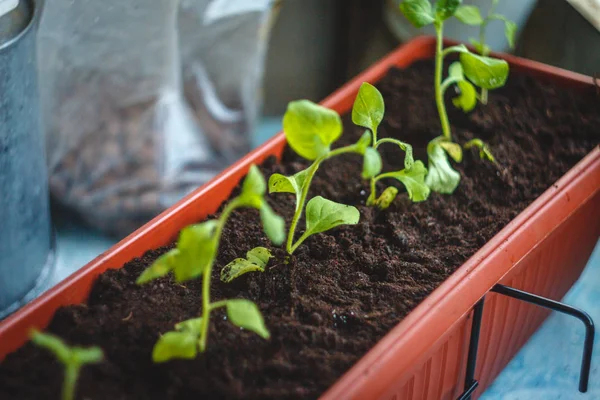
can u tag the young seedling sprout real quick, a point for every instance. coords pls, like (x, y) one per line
(471, 69)
(195, 255)
(367, 112)
(310, 130)
(471, 15)
(72, 358)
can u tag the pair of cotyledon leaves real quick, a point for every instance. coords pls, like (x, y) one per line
(368, 111)
(196, 247)
(183, 342)
(311, 130)
(68, 356)
(440, 176)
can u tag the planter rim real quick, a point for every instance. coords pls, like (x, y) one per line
(446, 305)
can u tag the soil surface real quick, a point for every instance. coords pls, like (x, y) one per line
(342, 290)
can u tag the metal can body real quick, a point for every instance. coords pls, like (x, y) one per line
(25, 226)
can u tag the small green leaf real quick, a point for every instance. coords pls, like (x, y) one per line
(368, 107)
(453, 150)
(68, 356)
(387, 198)
(256, 260)
(417, 12)
(159, 268)
(485, 72)
(288, 184)
(409, 159)
(323, 215)
(183, 345)
(441, 177)
(444, 9)
(254, 183)
(484, 151)
(192, 326)
(90, 355)
(371, 163)
(414, 181)
(456, 71)
(52, 343)
(283, 184)
(364, 142)
(481, 48)
(469, 15)
(245, 314)
(273, 224)
(259, 256)
(197, 247)
(459, 48)
(310, 129)
(510, 29)
(250, 200)
(467, 99)
(237, 268)
(487, 153)
(253, 188)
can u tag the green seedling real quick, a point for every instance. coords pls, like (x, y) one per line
(256, 260)
(471, 70)
(72, 358)
(484, 151)
(367, 112)
(194, 256)
(310, 130)
(471, 15)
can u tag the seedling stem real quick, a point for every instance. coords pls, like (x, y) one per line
(439, 91)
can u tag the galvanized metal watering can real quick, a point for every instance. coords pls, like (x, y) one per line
(25, 227)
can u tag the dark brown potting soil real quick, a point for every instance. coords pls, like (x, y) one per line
(341, 291)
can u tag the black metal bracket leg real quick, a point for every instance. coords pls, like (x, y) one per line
(470, 381)
(588, 344)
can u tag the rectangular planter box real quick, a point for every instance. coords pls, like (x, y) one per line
(543, 250)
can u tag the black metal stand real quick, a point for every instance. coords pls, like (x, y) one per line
(584, 377)
(470, 381)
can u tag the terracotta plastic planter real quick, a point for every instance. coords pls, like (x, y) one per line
(543, 251)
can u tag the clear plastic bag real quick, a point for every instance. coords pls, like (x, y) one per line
(145, 100)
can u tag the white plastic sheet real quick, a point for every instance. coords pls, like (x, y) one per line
(145, 100)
